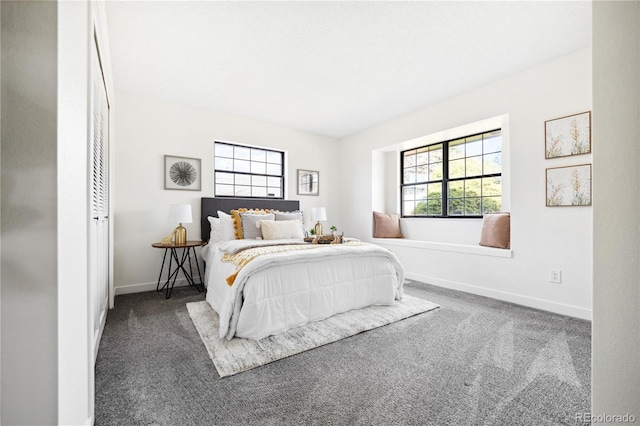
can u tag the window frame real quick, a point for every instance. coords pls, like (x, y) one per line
(266, 175)
(446, 180)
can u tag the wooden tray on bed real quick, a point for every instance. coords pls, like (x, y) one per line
(325, 239)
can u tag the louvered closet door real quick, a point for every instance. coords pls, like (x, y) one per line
(99, 185)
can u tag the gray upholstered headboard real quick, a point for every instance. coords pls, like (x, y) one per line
(210, 207)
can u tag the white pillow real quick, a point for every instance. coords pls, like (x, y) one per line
(277, 230)
(216, 229)
(228, 231)
(296, 215)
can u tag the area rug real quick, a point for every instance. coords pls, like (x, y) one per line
(237, 355)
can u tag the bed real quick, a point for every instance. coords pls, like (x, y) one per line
(261, 287)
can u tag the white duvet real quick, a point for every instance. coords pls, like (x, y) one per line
(277, 292)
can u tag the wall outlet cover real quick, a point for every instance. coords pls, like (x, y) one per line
(555, 276)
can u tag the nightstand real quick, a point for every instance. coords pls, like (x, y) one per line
(188, 249)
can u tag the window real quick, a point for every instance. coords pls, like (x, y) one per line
(456, 178)
(244, 171)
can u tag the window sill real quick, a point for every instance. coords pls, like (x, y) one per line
(457, 248)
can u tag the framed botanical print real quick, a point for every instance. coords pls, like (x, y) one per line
(570, 135)
(569, 186)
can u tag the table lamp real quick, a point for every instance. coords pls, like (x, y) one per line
(318, 214)
(180, 213)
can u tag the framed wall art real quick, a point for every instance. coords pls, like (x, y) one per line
(182, 173)
(569, 186)
(570, 135)
(308, 182)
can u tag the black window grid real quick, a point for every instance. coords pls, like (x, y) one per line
(250, 175)
(445, 180)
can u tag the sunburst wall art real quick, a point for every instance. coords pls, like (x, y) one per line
(182, 173)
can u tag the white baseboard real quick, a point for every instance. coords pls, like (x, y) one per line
(139, 288)
(558, 308)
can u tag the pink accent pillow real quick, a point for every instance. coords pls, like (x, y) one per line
(386, 225)
(496, 230)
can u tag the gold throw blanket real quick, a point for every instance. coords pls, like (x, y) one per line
(241, 258)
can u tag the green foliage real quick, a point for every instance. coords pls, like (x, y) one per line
(432, 208)
(472, 204)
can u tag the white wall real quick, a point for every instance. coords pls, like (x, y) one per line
(46, 364)
(147, 130)
(616, 295)
(75, 357)
(541, 237)
(29, 294)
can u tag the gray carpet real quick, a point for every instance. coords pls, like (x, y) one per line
(473, 361)
(238, 355)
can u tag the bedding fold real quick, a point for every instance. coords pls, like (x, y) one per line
(373, 254)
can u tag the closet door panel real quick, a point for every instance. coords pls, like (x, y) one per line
(99, 196)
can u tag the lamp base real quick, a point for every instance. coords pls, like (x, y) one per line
(180, 235)
(318, 229)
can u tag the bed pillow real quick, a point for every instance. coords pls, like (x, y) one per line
(277, 230)
(386, 225)
(226, 223)
(237, 221)
(496, 230)
(249, 229)
(297, 215)
(216, 229)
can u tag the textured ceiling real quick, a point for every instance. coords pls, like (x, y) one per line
(332, 68)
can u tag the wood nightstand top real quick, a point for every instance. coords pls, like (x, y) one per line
(185, 245)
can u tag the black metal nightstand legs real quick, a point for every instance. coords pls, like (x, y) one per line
(172, 275)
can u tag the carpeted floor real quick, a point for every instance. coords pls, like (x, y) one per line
(472, 361)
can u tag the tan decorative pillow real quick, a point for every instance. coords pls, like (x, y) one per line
(275, 230)
(496, 230)
(237, 220)
(386, 225)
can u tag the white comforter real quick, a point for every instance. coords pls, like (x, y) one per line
(277, 292)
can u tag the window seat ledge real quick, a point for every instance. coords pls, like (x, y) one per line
(457, 248)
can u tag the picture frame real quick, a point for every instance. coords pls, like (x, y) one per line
(183, 173)
(308, 182)
(569, 135)
(568, 186)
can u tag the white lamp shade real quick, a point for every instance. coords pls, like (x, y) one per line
(318, 213)
(180, 213)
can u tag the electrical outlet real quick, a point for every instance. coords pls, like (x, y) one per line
(555, 276)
